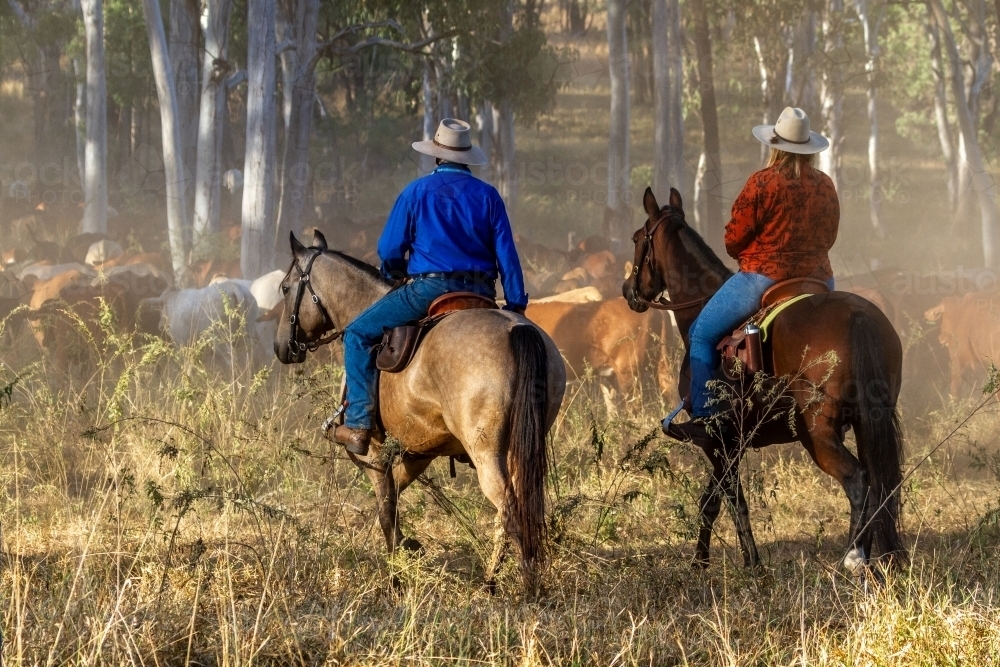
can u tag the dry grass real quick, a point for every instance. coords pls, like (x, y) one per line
(161, 510)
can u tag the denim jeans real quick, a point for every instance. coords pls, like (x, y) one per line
(405, 304)
(734, 303)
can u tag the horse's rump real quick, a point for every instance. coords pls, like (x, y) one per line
(461, 380)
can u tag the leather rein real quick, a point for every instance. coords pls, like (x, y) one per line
(300, 290)
(646, 257)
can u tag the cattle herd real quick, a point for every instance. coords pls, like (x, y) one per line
(949, 321)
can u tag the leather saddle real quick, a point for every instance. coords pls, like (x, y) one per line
(743, 351)
(399, 344)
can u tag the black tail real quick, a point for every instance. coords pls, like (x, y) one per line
(527, 459)
(877, 430)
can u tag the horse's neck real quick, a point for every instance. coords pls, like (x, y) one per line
(695, 280)
(345, 289)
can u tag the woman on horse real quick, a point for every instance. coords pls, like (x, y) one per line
(784, 223)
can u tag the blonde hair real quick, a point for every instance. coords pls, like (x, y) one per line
(790, 164)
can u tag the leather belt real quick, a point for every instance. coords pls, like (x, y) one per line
(461, 276)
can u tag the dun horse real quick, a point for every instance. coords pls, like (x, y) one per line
(487, 383)
(854, 387)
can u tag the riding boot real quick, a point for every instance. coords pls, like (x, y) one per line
(698, 430)
(354, 440)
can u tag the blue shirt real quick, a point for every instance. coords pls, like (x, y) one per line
(450, 221)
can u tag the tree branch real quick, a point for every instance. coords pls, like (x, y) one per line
(236, 79)
(328, 47)
(21, 14)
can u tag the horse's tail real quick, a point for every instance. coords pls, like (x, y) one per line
(877, 431)
(527, 459)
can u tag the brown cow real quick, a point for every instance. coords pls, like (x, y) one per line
(65, 313)
(608, 337)
(970, 329)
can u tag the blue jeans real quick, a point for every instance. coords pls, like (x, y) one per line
(405, 304)
(735, 302)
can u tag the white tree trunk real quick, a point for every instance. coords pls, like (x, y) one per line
(982, 180)
(662, 98)
(675, 56)
(831, 91)
(429, 126)
(182, 46)
(941, 114)
(484, 123)
(296, 173)
(208, 171)
(507, 172)
(166, 94)
(870, 25)
(618, 137)
(95, 189)
(80, 118)
(259, 166)
(503, 125)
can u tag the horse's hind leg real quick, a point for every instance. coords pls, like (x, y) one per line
(493, 480)
(826, 448)
(501, 546)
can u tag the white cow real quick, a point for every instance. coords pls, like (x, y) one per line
(222, 316)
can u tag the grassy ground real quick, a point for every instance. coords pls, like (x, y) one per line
(162, 509)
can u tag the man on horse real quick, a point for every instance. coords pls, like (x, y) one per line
(448, 232)
(783, 225)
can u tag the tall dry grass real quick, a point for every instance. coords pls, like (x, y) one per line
(165, 507)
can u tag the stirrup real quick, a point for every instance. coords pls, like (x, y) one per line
(669, 419)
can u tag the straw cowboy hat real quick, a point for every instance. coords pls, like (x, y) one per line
(791, 133)
(452, 142)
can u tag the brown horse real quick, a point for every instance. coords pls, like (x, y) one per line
(486, 383)
(842, 360)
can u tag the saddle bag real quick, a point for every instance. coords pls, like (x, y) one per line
(397, 348)
(741, 353)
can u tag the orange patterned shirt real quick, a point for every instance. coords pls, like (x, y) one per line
(784, 227)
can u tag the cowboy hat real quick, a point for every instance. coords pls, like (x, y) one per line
(791, 133)
(452, 142)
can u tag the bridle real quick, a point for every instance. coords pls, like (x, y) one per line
(646, 258)
(300, 291)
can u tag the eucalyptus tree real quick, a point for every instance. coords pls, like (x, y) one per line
(95, 182)
(871, 14)
(212, 109)
(617, 212)
(172, 141)
(708, 184)
(260, 161)
(982, 181)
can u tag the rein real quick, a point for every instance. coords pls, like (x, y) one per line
(300, 290)
(646, 257)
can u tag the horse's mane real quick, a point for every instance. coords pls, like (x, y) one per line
(702, 253)
(359, 264)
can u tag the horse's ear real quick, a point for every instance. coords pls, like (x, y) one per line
(297, 247)
(675, 200)
(319, 241)
(649, 203)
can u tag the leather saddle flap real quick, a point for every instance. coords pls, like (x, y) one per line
(792, 287)
(398, 345)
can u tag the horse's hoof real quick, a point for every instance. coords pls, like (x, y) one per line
(412, 545)
(699, 563)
